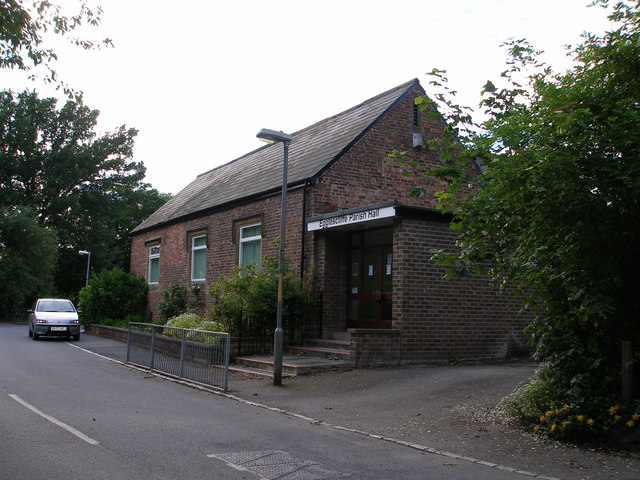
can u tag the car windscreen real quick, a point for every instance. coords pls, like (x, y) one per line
(55, 306)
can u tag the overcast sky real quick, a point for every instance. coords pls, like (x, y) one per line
(199, 78)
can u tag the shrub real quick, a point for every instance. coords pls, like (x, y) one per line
(541, 408)
(173, 303)
(186, 320)
(122, 323)
(250, 296)
(191, 321)
(113, 294)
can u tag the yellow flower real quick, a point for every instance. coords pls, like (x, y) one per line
(553, 427)
(564, 424)
(617, 418)
(635, 416)
(581, 418)
(590, 421)
(542, 418)
(630, 423)
(565, 407)
(549, 413)
(536, 428)
(613, 410)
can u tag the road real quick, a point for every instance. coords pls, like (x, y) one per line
(68, 414)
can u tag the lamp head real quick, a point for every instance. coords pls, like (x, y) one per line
(272, 136)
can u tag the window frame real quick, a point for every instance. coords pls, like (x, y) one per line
(153, 259)
(243, 241)
(194, 250)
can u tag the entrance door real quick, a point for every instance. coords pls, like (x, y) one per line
(370, 283)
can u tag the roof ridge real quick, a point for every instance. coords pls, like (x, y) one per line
(361, 104)
(405, 85)
(313, 150)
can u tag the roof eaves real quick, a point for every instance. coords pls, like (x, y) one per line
(218, 208)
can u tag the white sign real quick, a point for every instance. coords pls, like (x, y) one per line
(349, 218)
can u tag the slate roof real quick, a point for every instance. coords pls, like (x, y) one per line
(312, 150)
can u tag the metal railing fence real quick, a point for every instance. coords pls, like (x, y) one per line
(254, 335)
(196, 355)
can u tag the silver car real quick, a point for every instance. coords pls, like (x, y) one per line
(54, 317)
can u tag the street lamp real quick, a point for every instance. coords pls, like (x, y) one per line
(271, 136)
(84, 252)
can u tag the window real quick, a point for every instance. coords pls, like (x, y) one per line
(250, 244)
(154, 264)
(198, 258)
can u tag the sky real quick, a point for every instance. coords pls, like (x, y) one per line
(199, 78)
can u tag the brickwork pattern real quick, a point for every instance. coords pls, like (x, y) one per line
(448, 320)
(222, 246)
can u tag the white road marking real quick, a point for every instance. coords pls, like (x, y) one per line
(55, 421)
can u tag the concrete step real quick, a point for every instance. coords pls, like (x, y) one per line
(321, 352)
(340, 335)
(254, 372)
(292, 365)
(328, 343)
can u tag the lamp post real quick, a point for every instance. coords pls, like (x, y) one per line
(272, 136)
(84, 252)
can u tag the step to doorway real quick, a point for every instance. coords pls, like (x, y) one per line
(333, 346)
(292, 365)
(320, 348)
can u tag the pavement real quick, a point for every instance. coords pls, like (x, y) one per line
(447, 410)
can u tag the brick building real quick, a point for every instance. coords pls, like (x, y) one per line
(351, 220)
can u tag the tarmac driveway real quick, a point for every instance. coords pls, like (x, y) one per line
(451, 408)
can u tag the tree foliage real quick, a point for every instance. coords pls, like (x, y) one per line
(82, 185)
(557, 209)
(27, 259)
(24, 26)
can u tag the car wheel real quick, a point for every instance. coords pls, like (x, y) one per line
(30, 333)
(35, 336)
(76, 337)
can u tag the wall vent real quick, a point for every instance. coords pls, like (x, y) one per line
(417, 140)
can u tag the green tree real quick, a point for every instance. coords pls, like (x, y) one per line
(82, 185)
(557, 208)
(23, 29)
(27, 260)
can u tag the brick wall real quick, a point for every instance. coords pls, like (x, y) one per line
(222, 247)
(375, 348)
(434, 319)
(447, 320)
(438, 320)
(365, 175)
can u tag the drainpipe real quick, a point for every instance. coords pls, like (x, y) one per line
(304, 216)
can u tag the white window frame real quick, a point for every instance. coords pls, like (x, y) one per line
(154, 258)
(242, 241)
(196, 248)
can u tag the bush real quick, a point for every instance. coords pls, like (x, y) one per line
(173, 303)
(250, 296)
(113, 294)
(192, 321)
(541, 408)
(122, 323)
